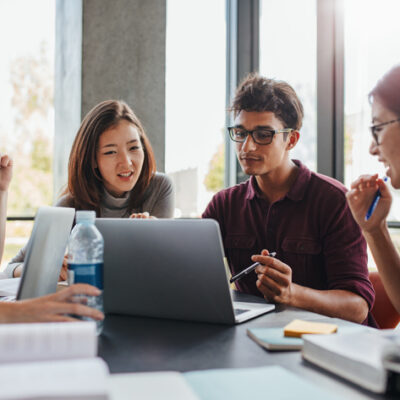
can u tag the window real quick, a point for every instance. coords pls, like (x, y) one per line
(195, 101)
(372, 47)
(288, 43)
(27, 123)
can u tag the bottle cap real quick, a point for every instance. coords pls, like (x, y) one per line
(85, 216)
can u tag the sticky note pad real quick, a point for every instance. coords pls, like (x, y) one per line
(298, 327)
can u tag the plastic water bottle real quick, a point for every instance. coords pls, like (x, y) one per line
(85, 258)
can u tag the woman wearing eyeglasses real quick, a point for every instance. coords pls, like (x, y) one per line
(385, 102)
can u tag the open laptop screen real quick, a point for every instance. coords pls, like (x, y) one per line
(45, 251)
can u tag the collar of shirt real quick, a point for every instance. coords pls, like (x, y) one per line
(116, 203)
(296, 192)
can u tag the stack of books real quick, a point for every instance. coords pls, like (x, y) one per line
(369, 358)
(52, 361)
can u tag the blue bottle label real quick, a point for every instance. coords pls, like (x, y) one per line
(86, 273)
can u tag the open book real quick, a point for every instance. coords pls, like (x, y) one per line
(51, 361)
(367, 358)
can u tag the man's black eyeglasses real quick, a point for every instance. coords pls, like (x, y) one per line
(261, 136)
(376, 128)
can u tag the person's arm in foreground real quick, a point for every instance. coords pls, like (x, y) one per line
(5, 179)
(376, 232)
(275, 283)
(57, 307)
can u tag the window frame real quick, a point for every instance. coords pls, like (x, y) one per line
(243, 38)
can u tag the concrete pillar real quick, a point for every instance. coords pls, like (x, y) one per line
(67, 88)
(122, 50)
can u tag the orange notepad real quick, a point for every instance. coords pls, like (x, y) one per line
(298, 327)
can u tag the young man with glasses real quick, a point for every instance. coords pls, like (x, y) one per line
(321, 260)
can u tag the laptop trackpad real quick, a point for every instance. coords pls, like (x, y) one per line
(244, 311)
(239, 311)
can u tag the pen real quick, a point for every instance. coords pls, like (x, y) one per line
(248, 269)
(374, 203)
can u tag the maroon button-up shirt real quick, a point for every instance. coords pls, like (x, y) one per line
(311, 229)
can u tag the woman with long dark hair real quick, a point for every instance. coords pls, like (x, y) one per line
(112, 171)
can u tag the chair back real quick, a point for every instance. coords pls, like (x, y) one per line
(383, 311)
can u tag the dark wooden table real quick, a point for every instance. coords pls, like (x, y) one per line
(137, 344)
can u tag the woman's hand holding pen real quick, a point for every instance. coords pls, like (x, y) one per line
(274, 279)
(361, 196)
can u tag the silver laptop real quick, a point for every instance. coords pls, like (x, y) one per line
(169, 269)
(45, 251)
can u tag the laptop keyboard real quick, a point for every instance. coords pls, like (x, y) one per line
(239, 311)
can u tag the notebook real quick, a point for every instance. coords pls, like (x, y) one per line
(273, 339)
(169, 269)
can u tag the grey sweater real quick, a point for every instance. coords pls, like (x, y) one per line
(158, 201)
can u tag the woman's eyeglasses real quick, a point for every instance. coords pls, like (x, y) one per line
(376, 128)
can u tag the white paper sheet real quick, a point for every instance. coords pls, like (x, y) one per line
(150, 386)
(47, 341)
(9, 287)
(67, 379)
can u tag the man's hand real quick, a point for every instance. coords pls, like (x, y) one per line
(144, 215)
(274, 279)
(6, 167)
(57, 307)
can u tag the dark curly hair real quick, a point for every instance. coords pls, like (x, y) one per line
(257, 93)
(387, 90)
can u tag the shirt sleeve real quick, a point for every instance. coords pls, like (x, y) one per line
(65, 201)
(163, 200)
(210, 212)
(345, 250)
(214, 210)
(15, 262)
